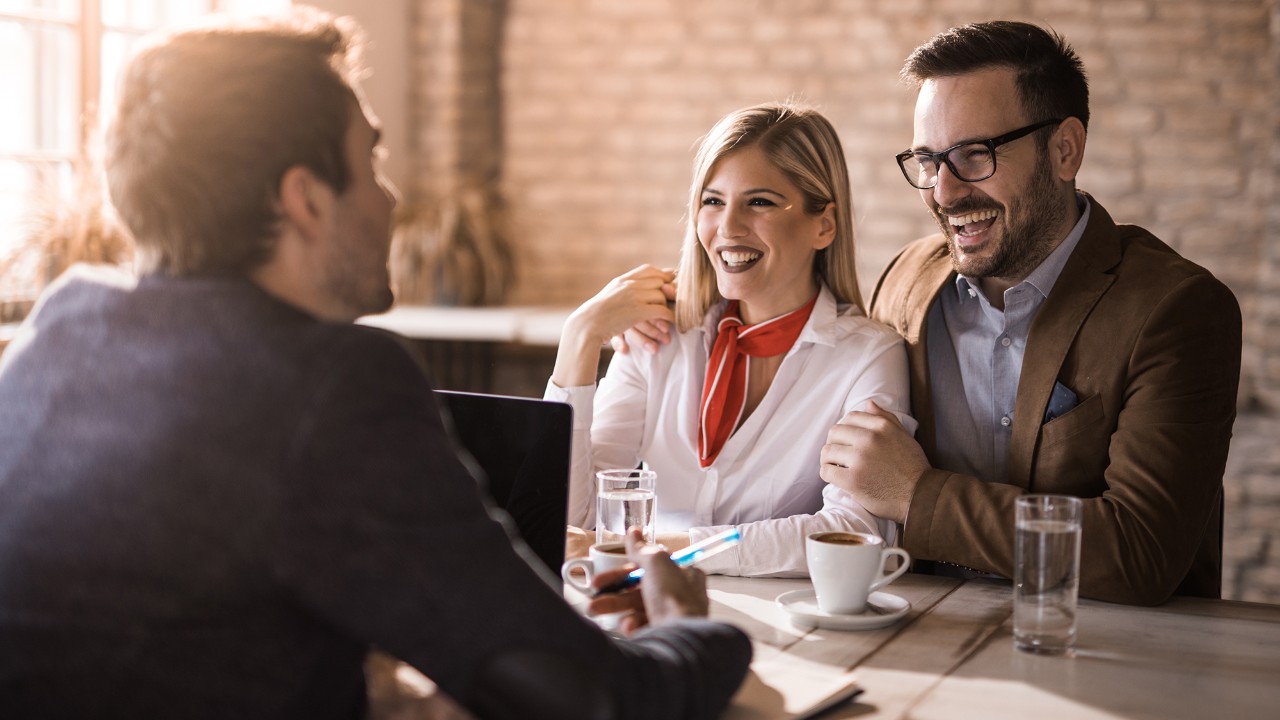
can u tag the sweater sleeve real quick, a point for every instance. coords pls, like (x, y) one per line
(385, 534)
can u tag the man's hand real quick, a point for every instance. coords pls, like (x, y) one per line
(870, 455)
(667, 592)
(648, 334)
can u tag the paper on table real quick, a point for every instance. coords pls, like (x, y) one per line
(793, 692)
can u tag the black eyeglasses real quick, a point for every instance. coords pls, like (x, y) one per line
(968, 161)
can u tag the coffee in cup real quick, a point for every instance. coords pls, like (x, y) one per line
(846, 567)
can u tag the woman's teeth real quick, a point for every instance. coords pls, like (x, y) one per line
(732, 258)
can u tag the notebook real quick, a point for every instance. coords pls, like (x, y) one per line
(522, 445)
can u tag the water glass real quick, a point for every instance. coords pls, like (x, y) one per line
(1046, 565)
(624, 499)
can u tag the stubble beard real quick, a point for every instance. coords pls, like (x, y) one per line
(1027, 230)
(353, 280)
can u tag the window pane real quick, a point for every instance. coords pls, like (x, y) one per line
(58, 89)
(59, 8)
(39, 87)
(148, 14)
(17, 53)
(128, 13)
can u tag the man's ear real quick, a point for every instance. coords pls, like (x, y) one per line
(303, 201)
(1066, 148)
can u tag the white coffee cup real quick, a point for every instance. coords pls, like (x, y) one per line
(600, 557)
(846, 567)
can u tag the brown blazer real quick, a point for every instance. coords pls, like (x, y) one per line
(1150, 344)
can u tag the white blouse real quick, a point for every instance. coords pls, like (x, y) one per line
(765, 480)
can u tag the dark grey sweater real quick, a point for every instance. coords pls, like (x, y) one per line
(212, 505)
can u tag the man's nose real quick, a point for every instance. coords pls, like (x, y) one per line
(949, 188)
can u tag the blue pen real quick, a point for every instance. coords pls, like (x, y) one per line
(693, 554)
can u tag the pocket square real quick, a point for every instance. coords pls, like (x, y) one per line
(1060, 402)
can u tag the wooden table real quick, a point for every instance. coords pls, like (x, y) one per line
(952, 657)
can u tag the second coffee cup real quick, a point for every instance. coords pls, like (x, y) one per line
(600, 557)
(846, 567)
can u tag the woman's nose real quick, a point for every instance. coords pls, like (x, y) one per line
(731, 225)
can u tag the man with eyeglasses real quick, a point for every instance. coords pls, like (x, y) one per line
(1051, 350)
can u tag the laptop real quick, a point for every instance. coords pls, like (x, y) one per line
(523, 446)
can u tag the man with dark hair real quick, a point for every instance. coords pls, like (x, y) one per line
(219, 494)
(1051, 349)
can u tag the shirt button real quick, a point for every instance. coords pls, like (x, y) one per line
(1005, 341)
(1005, 421)
(973, 293)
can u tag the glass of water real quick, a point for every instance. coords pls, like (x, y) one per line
(624, 499)
(1046, 569)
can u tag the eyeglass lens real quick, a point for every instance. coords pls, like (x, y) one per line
(971, 163)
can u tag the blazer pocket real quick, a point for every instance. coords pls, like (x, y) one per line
(1072, 453)
(1085, 416)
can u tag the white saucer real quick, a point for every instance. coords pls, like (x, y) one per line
(882, 609)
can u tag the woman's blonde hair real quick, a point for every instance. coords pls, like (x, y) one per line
(802, 144)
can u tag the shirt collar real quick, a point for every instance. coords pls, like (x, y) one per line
(1046, 273)
(819, 329)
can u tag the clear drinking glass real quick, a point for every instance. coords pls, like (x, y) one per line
(1046, 573)
(624, 499)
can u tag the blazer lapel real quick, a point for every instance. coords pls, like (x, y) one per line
(936, 273)
(1083, 281)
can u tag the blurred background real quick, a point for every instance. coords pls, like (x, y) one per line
(544, 146)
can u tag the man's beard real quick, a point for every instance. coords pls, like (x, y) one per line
(357, 279)
(1027, 228)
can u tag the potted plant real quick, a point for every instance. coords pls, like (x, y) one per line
(453, 251)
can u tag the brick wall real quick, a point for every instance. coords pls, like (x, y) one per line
(1267, 329)
(1252, 571)
(604, 99)
(601, 102)
(457, 113)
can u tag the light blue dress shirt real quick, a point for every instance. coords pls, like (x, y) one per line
(975, 361)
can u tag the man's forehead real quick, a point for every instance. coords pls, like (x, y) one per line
(970, 106)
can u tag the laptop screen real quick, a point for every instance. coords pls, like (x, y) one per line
(523, 446)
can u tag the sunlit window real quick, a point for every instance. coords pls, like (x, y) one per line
(59, 60)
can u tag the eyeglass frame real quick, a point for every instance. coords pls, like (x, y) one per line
(943, 156)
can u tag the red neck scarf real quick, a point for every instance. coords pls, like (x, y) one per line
(724, 392)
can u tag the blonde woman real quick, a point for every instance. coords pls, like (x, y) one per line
(772, 347)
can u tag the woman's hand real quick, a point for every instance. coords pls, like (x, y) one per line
(577, 542)
(648, 334)
(674, 541)
(628, 300)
